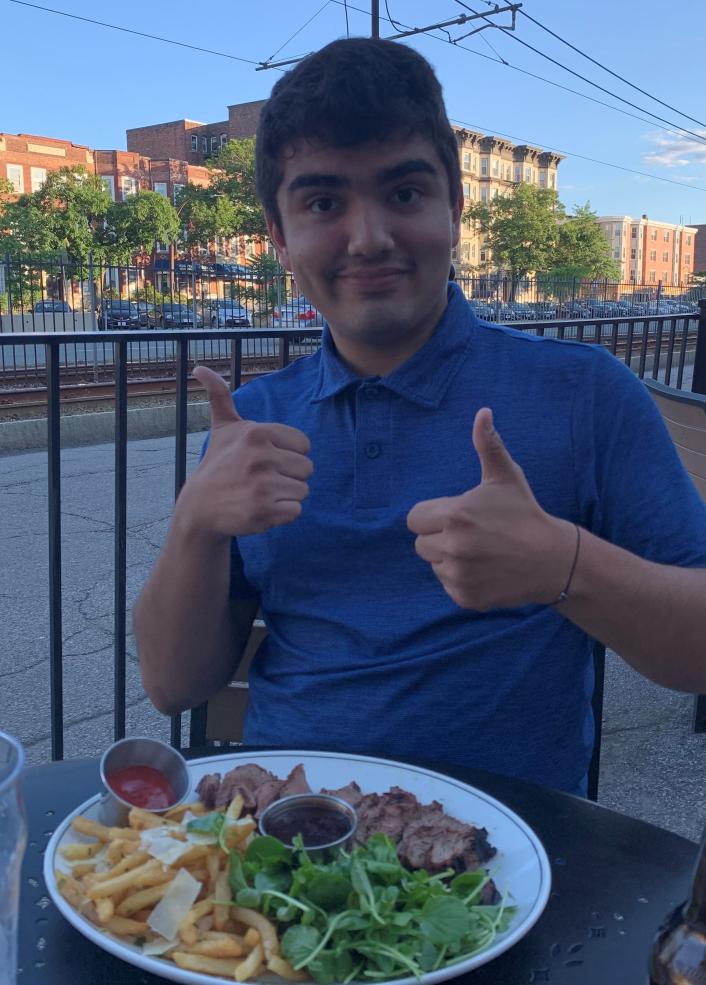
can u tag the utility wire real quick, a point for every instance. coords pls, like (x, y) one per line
(532, 75)
(609, 70)
(568, 153)
(313, 17)
(345, 7)
(578, 75)
(142, 34)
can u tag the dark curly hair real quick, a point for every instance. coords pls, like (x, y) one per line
(348, 93)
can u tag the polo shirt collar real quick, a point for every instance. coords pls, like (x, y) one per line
(425, 376)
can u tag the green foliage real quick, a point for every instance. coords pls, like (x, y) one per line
(521, 229)
(134, 225)
(262, 285)
(234, 177)
(583, 250)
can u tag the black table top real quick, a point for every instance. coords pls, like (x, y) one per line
(613, 881)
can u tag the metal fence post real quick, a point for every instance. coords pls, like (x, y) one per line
(698, 384)
(659, 297)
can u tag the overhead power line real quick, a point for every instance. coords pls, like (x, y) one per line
(299, 31)
(608, 92)
(610, 70)
(141, 34)
(568, 153)
(531, 75)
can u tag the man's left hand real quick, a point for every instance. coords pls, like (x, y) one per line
(494, 546)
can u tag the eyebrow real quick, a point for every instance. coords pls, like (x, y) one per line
(316, 180)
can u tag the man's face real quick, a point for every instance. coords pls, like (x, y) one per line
(367, 232)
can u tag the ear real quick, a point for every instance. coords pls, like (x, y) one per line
(277, 238)
(456, 212)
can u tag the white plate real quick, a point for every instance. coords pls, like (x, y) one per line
(520, 866)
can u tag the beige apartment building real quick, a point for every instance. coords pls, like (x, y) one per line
(649, 251)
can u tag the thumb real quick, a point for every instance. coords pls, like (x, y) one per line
(495, 460)
(218, 394)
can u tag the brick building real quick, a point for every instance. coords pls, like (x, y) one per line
(25, 159)
(700, 250)
(649, 251)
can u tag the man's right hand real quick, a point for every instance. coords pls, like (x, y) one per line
(252, 477)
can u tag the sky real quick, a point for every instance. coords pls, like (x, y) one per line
(62, 77)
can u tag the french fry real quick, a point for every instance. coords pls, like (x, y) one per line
(187, 928)
(150, 873)
(178, 812)
(213, 864)
(81, 850)
(105, 908)
(251, 966)
(226, 967)
(139, 819)
(125, 927)
(82, 869)
(226, 947)
(133, 905)
(86, 826)
(266, 930)
(251, 938)
(235, 808)
(221, 892)
(126, 864)
(284, 969)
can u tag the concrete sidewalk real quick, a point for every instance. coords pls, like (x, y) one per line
(653, 765)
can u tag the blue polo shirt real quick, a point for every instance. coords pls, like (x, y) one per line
(366, 652)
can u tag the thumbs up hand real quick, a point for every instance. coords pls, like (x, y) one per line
(494, 546)
(252, 477)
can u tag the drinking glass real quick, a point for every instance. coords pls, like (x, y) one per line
(13, 839)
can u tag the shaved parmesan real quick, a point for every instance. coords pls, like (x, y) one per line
(160, 946)
(166, 849)
(201, 838)
(174, 905)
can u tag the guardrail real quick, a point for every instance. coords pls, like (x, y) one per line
(656, 345)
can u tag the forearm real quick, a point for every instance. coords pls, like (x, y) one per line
(182, 620)
(652, 615)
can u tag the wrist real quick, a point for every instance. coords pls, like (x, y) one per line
(563, 561)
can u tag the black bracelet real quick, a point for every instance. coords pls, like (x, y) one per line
(563, 596)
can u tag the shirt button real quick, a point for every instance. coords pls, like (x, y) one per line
(373, 449)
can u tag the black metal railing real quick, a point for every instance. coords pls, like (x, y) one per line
(656, 345)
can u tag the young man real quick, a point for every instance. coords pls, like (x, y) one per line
(430, 587)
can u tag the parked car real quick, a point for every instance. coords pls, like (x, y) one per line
(49, 305)
(144, 309)
(114, 313)
(226, 313)
(297, 312)
(174, 316)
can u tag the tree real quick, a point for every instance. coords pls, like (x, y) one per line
(204, 214)
(134, 226)
(583, 250)
(521, 229)
(234, 176)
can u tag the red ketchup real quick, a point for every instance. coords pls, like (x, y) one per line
(142, 786)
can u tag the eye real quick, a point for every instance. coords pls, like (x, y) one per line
(322, 204)
(406, 196)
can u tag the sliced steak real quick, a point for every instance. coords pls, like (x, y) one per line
(435, 841)
(351, 793)
(266, 794)
(389, 813)
(243, 780)
(207, 789)
(295, 783)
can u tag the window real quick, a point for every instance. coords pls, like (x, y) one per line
(483, 254)
(473, 251)
(653, 254)
(16, 177)
(204, 145)
(508, 173)
(665, 276)
(542, 180)
(466, 160)
(466, 251)
(475, 162)
(466, 189)
(177, 192)
(665, 257)
(129, 186)
(687, 258)
(653, 234)
(160, 247)
(518, 172)
(616, 254)
(552, 180)
(616, 230)
(688, 240)
(109, 182)
(484, 166)
(652, 276)
(495, 193)
(484, 193)
(633, 254)
(496, 167)
(528, 174)
(224, 139)
(454, 254)
(666, 237)
(214, 144)
(160, 187)
(194, 142)
(37, 178)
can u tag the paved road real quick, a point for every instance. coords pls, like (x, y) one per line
(653, 765)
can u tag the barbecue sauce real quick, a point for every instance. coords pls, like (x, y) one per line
(679, 950)
(316, 827)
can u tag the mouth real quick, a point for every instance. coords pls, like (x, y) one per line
(378, 279)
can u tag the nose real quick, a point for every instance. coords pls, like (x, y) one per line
(369, 232)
